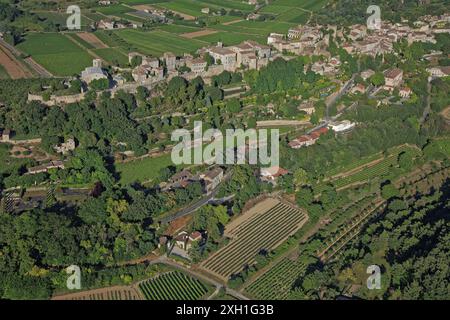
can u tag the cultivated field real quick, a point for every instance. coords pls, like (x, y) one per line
(277, 282)
(92, 39)
(157, 42)
(56, 53)
(197, 34)
(11, 67)
(109, 293)
(173, 286)
(264, 227)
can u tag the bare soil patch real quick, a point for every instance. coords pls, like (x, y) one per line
(232, 22)
(12, 65)
(196, 34)
(93, 40)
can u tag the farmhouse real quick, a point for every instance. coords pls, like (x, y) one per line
(271, 174)
(185, 240)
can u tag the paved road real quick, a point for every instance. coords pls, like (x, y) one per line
(195, 206)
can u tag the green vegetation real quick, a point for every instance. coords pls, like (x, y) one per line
(113, 56)
(173, 286)
(157, 42)
(56, 53)
(3, 73)
(276, 283)
(143, 170)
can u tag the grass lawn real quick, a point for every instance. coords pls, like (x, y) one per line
(56, 53)
(157, 42)
(143, 170)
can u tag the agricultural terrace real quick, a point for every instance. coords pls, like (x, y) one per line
(56, 53)
(109, 293)
(293, 11)
(194, 8)
(173, 286)
(265, 226)
(276, 283)
(158, 42)
(369, 168)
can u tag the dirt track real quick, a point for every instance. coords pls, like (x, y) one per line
(12, 65)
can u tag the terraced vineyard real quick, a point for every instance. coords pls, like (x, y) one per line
(274, 222)
(277, 282)
(173, 286)
(371, 171)
(349, 230)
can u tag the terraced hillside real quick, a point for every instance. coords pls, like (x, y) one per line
(270, 224)
(277, 282)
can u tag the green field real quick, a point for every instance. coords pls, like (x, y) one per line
(157, 42)
(143, 170)
(56, 53)
(294, 15)
(256, 27)
(293, 11)
(178, 29)
(173, 286)
(189, 7)
(112, 56)
(113, 9)
(229, 39)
